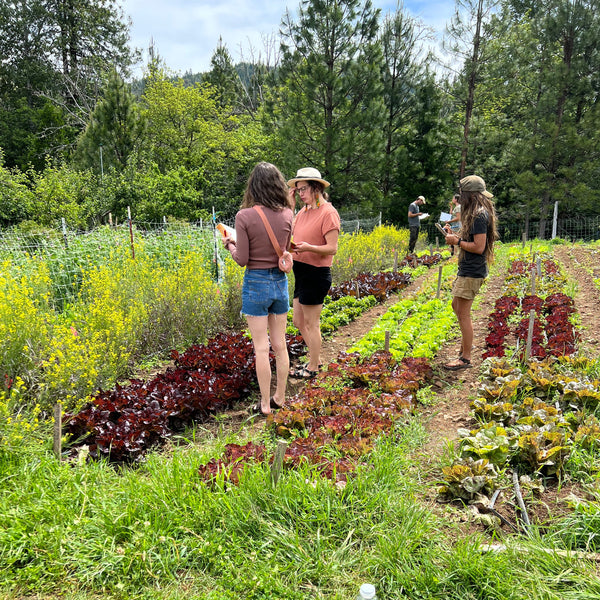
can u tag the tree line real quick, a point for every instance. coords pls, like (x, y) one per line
(344, 88)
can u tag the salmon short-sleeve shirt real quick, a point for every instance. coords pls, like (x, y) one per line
(311, 225)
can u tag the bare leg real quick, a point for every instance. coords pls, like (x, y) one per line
(306, 319)
(462, 310)
(277, 326)
(260, 340)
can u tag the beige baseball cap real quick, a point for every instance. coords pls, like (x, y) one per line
(474, 183)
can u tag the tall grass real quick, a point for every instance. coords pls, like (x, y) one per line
(86, 530)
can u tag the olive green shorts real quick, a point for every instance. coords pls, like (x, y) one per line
(467, 287)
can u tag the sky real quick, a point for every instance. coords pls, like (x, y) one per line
(186, 32)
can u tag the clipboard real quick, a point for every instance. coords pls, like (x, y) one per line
(441, 230)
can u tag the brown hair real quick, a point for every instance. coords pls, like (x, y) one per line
(266, 186)
(472, 205)
(316, 186)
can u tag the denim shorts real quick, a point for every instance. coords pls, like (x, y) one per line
(265, 291)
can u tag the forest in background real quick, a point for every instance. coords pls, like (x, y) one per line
(345, 89)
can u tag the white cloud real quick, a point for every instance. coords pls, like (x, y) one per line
(186, 32)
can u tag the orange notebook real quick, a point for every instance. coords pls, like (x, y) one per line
(226, 231)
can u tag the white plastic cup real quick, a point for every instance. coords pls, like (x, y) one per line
(367, 592)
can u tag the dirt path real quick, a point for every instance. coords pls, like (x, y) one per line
(455, 390)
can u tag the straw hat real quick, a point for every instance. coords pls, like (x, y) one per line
(307, 174)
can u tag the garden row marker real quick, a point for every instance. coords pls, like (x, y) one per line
(529, 335)
(277, 465)
(130, 231)
(439, 286)
(357, 290)
(395, 261)
(430, 250)
(57, 441)
(386, 346)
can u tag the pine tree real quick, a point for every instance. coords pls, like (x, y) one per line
(114, 129)
(224, 77)
(329, 107)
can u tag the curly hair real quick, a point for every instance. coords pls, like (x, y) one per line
(472, 205)
(266, 186)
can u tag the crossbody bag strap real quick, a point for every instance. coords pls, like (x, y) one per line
(259, 210)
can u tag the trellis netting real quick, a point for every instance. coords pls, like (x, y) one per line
(68, 254)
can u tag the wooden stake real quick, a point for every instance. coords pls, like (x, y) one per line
(57, 441)
(395, 261)
(529, 334)
(386, 345)
(277, 465)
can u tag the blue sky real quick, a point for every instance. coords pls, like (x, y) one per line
(186, 32)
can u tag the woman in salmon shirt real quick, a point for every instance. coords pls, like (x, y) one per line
(315, 234)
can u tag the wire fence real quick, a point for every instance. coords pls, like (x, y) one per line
(586, 229)
(67, 255)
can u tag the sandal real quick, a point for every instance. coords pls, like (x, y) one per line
(256, 411)
(463, 363)
(303, 373)
(275, 405)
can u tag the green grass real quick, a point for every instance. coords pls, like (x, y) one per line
(155, 531)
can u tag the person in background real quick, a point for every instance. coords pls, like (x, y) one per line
(475, 254)
(315, 242)
(454, 222)
(265, 298)
(414, 223)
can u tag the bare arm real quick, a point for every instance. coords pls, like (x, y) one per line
(477, 246)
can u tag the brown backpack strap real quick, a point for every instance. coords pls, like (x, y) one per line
(259, 210)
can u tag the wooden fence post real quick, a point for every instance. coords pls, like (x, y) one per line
(130, 231)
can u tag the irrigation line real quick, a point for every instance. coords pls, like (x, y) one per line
(520, 501)
(490, 509)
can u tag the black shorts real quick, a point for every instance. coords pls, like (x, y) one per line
(311, 283)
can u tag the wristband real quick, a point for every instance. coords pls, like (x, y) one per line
(459, 241)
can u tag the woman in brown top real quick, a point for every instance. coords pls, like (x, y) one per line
(265, 300)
